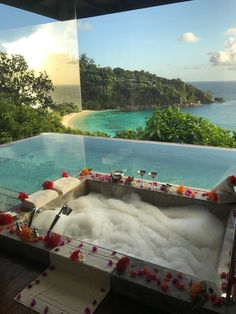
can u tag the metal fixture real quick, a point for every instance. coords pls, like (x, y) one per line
(65, 210)
(31, 217)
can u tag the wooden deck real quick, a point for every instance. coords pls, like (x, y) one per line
(16, 272)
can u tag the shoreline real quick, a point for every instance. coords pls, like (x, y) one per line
(67, 120)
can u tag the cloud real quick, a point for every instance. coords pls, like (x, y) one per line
(231, 31)
(189, 37)
(74, 61)
(46, 39)
(87, 27)
(226, 57)
(196, 68)
(62, 69)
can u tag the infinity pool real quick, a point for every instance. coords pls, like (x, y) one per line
(25, 164)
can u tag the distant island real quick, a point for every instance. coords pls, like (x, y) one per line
(107, 88)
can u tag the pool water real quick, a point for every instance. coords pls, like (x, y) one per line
(26, 164)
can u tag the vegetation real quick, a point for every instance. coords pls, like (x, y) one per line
(26, 108)
(106, 88)
(171, 125)
(21, 85)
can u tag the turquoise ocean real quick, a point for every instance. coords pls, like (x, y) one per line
(112, 121)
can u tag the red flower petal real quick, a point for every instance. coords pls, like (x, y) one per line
(94, 249)
(164, 286)
(75, 255)
(52, 240)
(48, 185)
(223, 275)
(133, 273)
(169, 275)
(122, 264)
(232, 180)
(22, 196)
(6, 219)
(65, 174)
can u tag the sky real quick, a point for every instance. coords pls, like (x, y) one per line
(195, 41)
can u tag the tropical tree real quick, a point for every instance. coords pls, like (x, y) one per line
(21, 85)
(171, 125)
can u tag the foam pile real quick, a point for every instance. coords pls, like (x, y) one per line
(185, 239)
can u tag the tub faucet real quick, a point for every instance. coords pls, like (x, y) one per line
(31, 217)
(65, 210)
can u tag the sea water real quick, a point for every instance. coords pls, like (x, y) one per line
(221, 114)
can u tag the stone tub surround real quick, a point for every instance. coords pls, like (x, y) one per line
(143, 287)
(174, 299)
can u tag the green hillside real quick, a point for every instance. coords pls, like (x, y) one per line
(105, 88)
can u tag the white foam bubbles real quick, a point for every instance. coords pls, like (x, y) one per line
(185, 239)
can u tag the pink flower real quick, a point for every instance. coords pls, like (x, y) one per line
(65, 174)
(33, 303)
(22, 196)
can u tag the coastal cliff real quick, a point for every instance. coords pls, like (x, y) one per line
(107, 88)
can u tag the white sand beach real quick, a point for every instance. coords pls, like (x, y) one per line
(67, 120)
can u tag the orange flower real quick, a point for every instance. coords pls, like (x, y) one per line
(195, 289)
(212, 196)
(26, 234)
(86, 171)
(180, 189)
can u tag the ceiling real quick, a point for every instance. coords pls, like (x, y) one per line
(68, 9)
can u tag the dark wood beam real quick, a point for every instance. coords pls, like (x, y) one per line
(68, 9)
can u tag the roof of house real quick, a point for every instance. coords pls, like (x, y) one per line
(69, 9)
